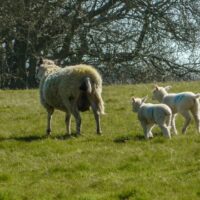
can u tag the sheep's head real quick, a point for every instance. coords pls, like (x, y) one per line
(46, 62)
(44, 66)
(160, 92)
(137, 102)
(39, 70)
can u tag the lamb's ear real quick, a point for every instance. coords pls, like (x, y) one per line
(144, 99)
(168, 87)
(133, 99)
(156, 87)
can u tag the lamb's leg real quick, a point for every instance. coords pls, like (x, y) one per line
(68, 123)
(187, 117)
(196, 116)
(173, 122)
(97, 118)
(165, 130)
(149, 133)
(145, 129)
(49, 117)
(168, 121)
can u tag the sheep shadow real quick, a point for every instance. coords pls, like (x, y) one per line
(33, 138)
(65, 137)
(28, 138)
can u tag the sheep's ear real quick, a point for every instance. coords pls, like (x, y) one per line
(144, 99)
(40, 61)
(56, 61)
(168, 87)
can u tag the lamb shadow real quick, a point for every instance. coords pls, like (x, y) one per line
(139, 137)
(124, 139)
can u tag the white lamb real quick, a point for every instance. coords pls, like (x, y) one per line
(151, 114)
(182, 103)
(70, 89)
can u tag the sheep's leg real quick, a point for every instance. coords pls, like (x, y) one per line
(196, 118)
(77, 117)
(187, 117)
(97, 118)
(68, 123)
(173, 122)
(165, 130)
(49, 117)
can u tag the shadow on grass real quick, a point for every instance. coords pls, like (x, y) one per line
(28, 138)
(65, 137)
(32, 138)
(124, 139)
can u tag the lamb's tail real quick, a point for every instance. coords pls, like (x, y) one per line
(196, 100)
(197, 96)
(196, 106)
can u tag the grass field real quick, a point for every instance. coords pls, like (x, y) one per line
(119, 165)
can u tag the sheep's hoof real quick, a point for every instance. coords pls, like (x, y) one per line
(67, 136)
(48, 133)
(78, 135)
(99, 132)
(183, 132)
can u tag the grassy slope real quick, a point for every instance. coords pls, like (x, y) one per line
(118, 165)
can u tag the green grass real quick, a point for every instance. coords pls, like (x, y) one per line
(119, 165)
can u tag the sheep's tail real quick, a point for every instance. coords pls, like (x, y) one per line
(86, 85)
(95, 91)
(89, 86)
(99, 103)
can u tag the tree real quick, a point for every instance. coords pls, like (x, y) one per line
(128, 41)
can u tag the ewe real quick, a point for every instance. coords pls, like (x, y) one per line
(151, 114)
(179, 103)
(70, 89)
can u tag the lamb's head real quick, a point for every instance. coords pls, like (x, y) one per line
(137, 103)
(160, 92)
